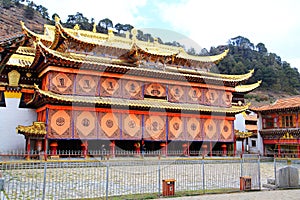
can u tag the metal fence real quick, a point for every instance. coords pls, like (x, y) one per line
(39, 155)
(103, 179)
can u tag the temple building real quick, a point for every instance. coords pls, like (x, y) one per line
(279, 127)
(82, 89)
(247, 138)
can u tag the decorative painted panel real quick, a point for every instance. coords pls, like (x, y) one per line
(226, 130)
(226, 98)
(210, 130)
(193, 127)
(61, 83)
(132, 89)
(110, 87)
(109, 126)
(87, 85)
(59, 125)
(176, 128)
(132, 126)
(155, 127)
(211, 97)
(194, 95)
(176, 93)
(85, 125)
(155, 90)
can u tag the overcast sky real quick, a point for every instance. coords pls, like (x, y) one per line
(276, 23)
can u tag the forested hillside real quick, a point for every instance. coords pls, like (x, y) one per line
(277, 75)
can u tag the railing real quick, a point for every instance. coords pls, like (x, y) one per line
(69, 179)
(70, 154)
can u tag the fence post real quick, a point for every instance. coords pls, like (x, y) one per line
(203, 176)
(158, 182)
(242, 165)
(107, 178)
(44, 181)
(259, 181)
(275, 168)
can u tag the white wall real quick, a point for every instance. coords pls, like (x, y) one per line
(10, 117)
(260, 144)
(239, 122)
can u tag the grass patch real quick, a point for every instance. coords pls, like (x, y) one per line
(177, 194)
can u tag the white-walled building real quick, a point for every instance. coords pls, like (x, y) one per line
(11, 116)
(249, 140)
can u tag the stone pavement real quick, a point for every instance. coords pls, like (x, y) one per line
(254, 195)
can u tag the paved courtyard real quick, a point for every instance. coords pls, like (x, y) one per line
(259, 195)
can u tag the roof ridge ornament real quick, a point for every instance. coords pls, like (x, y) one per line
(134, 34)
(94, 28)
(56, 19)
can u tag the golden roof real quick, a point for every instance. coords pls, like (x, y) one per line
(20, 60)
(30, 51)
(141, 103)
(95, 60)
(242, 134)
(110, 40)
(37, 128)
(247, 88)
(35, 35)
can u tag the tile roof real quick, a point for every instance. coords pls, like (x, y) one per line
(37, 128)
(281, 104)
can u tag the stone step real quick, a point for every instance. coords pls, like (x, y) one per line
(270, 186)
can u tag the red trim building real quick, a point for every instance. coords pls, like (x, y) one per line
(91, 88)
(279, 126)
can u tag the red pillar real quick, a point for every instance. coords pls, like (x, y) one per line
(28, 148)
(185, 149)
(163, 149)
(224, 149)
(84, 147)
(112, 148)
(53, 148)
(137, 147)
(243, 148)
(210, 148)
(298, 151)
(188, 149)
(278, 146)
(166, 148)
(234, 148)
(204, 146)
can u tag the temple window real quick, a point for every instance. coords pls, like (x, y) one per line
(287, 121)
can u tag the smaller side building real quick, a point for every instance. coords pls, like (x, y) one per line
(279, 127)
(247, 138)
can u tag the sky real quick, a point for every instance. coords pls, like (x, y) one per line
(199, 23)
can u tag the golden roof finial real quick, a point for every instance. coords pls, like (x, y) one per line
(76, 27)
(110, 32)
(56, 19)
(22, 24)
(134, 33)
(94, 28)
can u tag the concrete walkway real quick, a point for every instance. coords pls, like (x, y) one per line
(255, 195)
